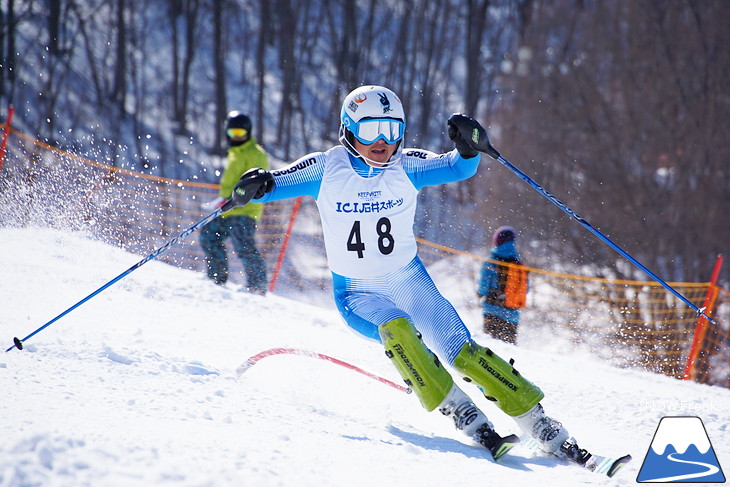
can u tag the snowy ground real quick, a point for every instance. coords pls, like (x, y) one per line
(138, 386)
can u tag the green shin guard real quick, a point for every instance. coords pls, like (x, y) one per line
(418, 366)
(497, 379)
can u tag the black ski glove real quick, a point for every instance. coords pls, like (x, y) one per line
(466, 151)
(254, 184)
(469, 136)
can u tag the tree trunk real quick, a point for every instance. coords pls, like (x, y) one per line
(220, 77)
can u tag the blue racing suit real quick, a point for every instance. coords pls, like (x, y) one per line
(367, 218)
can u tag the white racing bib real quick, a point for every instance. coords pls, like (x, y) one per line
(367, 222)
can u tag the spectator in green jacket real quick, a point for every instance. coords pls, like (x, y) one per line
(239, 223)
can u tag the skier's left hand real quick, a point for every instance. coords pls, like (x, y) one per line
(466, 150)
(469, 136)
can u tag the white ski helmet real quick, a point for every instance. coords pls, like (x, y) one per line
(371, 113)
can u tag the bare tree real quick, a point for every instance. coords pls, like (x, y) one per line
(477, 22)
(60, 50)
(8, 22)
(220, 75)
(263, 38)
(286, 22)
(119, 89)
(188, 11)
(619, 115)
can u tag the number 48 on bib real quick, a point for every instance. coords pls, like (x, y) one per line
(386, 242)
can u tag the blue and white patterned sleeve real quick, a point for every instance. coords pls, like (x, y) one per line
(300, 178)
(425, 168)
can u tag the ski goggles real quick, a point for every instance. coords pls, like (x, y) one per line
(237, 133)
(370, 130)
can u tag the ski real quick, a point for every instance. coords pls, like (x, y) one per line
(572, 454)
(606, 465)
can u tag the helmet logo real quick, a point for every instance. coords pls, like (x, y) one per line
(385, 103)
(354, 103)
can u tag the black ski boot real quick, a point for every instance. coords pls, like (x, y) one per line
(570, 451)
(574, 453)
(471, 420)
(496, 444)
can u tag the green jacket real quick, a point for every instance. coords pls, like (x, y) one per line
(241, 158)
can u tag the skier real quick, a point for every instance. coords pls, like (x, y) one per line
(366, 191)
(240, 224)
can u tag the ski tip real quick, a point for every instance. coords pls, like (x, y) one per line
(616, 466)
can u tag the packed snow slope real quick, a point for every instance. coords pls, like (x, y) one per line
(138, 386)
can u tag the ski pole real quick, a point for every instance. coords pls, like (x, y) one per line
(477, 138)
(18, 343)
(597, 233)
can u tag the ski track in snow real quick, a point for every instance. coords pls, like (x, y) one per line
(138, 387)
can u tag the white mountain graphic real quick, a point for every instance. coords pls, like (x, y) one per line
(680, 432)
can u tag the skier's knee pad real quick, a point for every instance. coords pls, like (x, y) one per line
(497, 379)
(416, 364)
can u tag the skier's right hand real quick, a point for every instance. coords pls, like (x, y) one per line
(254, 184)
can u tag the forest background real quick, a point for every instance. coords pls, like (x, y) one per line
(620, 108)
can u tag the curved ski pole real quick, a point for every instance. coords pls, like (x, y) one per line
(492, 152)
(18, 343)
(251, 361)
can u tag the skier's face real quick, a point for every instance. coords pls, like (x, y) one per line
(376, 154)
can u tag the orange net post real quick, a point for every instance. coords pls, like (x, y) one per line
(285, 244)
(6, 133)
(701, 330)
(713, 362)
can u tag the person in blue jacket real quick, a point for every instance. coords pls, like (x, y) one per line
(500, 321)
(366, 189)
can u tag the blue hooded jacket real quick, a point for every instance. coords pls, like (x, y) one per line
(489, 280)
